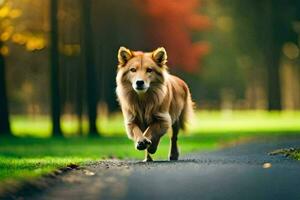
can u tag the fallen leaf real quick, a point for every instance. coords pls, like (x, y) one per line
(267, 165)
(88, 173)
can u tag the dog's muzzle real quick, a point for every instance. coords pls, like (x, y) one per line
(140, 86)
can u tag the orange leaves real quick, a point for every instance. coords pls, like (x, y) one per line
(170, 24)
(198, 22)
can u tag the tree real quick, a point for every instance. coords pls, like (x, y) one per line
(272, 54)
(4, 116)
(88, 51)
(274, 20)
(54, 65)
(277, 31)
(182, 51)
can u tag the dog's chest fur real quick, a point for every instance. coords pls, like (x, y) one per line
(144, 111)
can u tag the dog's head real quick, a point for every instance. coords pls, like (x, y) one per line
(142, 70)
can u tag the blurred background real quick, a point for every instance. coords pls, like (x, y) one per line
(58, 61)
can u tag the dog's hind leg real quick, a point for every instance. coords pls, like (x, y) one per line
(147, 157)
(174, 154)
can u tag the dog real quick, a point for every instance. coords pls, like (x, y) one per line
(151, 99)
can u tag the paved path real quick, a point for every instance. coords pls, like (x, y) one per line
(231, 173)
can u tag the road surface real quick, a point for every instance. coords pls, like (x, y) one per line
(241, 172)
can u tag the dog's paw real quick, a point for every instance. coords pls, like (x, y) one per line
(153, 147)
(143, 144)
(149, 159)
(174, 156)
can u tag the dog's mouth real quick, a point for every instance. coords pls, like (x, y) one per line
(140, 89)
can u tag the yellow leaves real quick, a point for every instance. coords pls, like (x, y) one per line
(11, 31)
(38, 42)
(35, 43)
(15, 13)
(1, 2)
(4, 50)
(31, 42)
(5, 23)
(6, 34)
(6, 11)
(18, 38)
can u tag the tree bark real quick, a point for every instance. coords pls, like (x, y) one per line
(88, 52)
(54, 65)
(273, 81)
(4, 114)
(274, 41)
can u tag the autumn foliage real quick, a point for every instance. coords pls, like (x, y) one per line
(170, 23)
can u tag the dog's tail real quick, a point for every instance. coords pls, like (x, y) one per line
(187, 112)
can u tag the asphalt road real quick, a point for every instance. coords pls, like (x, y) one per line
(238, 172)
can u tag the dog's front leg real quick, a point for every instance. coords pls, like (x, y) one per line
(147, 157)
(141, 142)
(155, 131)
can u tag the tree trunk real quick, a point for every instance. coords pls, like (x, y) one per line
(273, 44)
(274, 86)
(54, 65)
(88, 52)
(4, 116)
(80, 94)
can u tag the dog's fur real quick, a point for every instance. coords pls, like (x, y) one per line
(163, 101)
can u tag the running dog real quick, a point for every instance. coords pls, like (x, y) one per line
(152, 100)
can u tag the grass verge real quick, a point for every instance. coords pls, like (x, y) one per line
(210, 122)
(287, 152)
(25, 158)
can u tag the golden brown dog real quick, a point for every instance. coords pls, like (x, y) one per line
(151, 99)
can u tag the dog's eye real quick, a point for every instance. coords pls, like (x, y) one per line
(149, 70)
(133, 70)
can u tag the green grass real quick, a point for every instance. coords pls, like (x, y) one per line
(287, 152)
(204, 122)
(23, 158)
(247, 121)
(296, 155)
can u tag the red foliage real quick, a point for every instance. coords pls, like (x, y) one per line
(170, 26)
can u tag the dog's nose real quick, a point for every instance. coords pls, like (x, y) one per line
(140, 83)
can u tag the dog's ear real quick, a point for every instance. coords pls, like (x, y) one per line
(124, 55)
(160, 56)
